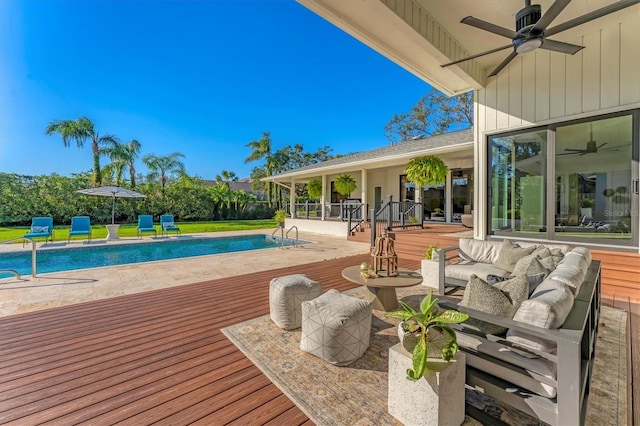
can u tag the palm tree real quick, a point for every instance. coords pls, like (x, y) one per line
(163, 167)
(261, 150)
(80, 131)
(123, 157)
(226, 177)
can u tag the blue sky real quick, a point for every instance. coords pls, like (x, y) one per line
(199, 77)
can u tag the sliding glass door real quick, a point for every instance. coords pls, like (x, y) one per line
(575, 181)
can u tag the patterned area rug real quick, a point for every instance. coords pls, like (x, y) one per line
(357, 394)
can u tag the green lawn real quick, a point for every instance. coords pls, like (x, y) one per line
(61, 232)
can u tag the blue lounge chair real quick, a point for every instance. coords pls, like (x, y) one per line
(167, 225)
(145, 224)
(41, 227)
(80, 225)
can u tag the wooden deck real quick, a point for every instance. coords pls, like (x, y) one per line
(159, 357)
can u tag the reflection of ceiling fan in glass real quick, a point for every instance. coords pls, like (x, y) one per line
(592, 146)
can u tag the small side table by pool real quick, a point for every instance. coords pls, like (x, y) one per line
(112, 232)
(381, 291)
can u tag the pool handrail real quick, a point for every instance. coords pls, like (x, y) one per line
(33, 256)
(295, 242)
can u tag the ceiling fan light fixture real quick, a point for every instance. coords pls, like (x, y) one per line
(528, 45)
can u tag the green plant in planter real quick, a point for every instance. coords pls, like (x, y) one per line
(413, 219)
(428, 255)
(280, 216)
(345, 184)
(586, 203)
(426, 326)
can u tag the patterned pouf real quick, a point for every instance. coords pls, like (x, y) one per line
(285, 296)
(336, 327)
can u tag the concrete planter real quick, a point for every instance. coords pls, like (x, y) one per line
(435, 399)
(430, 273)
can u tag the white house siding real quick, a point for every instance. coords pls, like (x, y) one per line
(544, 87)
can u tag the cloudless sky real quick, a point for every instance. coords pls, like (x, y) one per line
(199, 77)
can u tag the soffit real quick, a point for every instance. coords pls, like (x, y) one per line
(393, 28)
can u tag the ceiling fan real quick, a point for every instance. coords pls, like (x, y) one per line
(531, 30)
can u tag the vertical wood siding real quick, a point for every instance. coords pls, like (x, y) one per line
(544, 85)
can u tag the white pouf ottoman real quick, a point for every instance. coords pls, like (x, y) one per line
(285, 296)
(336, 327)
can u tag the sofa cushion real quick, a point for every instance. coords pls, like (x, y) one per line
(479, 250)
(509, 255)
(569, 275)
(465, 269)
(502, 299)
(529, 265)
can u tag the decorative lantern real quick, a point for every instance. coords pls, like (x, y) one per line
(385, 259)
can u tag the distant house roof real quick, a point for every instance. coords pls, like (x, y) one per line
(443, 143)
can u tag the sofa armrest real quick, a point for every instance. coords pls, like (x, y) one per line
(444, 255)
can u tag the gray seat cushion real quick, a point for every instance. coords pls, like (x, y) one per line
(336, 327)
(465, 269)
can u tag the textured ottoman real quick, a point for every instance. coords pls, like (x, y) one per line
(336, 327)
(285, 296)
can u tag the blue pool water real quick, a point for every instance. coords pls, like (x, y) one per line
(56, 260)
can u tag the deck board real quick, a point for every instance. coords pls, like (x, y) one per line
(159, 357)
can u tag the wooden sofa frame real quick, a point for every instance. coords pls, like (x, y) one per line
(576, 342)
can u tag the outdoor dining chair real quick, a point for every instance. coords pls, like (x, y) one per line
(145, 224)
(80, 225)
(167, 225)
(41, 227)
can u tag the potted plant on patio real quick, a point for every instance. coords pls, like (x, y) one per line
(427, 332)
(586, 207)
(280, 216)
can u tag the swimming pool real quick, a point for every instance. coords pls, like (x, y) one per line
(57, 260)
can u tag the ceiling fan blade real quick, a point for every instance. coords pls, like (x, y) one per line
(551, 14)
(574, 150)
(504, 63)
(492, 28)
(598, 147)
(468, 58)
(599, 13)
(560, 46)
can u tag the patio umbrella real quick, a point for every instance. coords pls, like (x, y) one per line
(112, 191)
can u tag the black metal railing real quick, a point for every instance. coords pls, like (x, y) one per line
(395, 214)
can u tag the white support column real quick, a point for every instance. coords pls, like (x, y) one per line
(323, 197)
(292, 199)
(363, 193)
(448, 196)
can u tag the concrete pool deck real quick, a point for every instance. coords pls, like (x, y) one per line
(65, 288)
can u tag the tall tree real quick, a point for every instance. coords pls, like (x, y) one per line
(80, 131)
(163, 168)
(433, 114)
(123, 157)
(226, 177)
(261, 150)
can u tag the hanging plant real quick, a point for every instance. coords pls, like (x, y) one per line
(427, 170)
(345, 184)
(314, 188)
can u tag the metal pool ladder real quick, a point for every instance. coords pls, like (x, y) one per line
(295, 242)
(283, 235)
(33, 257)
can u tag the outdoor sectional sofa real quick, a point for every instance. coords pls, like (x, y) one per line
(540, 360)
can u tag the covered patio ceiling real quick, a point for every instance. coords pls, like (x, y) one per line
(421, 35)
